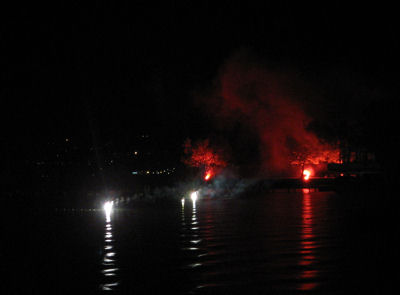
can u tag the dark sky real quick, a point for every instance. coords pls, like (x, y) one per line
(115, 69)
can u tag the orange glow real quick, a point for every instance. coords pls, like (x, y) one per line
(207, 176)
(306, 174)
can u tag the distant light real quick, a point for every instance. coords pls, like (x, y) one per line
(67, 139)
(194, 196)
(183, 202)
(134, 172)
(108, 209)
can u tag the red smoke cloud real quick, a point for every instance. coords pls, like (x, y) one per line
(202, 155)
(265, 102)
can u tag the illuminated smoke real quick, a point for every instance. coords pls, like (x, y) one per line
(266, 103)
(204, 156)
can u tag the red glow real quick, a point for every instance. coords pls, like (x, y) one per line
(207, 176)
(202, 155)
(306, 174)
(308, 286)
(271, 105)
(308, 246)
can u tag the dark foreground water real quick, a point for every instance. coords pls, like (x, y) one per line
(281, 243)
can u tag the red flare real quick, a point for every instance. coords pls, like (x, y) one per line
(306, 174)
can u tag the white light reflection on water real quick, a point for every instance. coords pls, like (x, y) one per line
(194, 229)
(191, 235)
(110, 269)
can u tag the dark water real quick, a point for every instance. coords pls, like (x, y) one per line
(281, 243)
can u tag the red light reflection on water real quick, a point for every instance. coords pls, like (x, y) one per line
(307, 245)
(308, 286)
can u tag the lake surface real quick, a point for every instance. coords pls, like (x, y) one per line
(276, 243)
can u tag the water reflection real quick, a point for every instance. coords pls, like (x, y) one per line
(194, 227)
(191, 236)
(308, 260)
(109, 266)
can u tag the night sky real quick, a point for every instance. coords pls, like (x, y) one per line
(117, 70)
(99, 97)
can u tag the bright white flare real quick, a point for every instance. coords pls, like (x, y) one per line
(306, 174)
(108, 209)
(194, 196)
